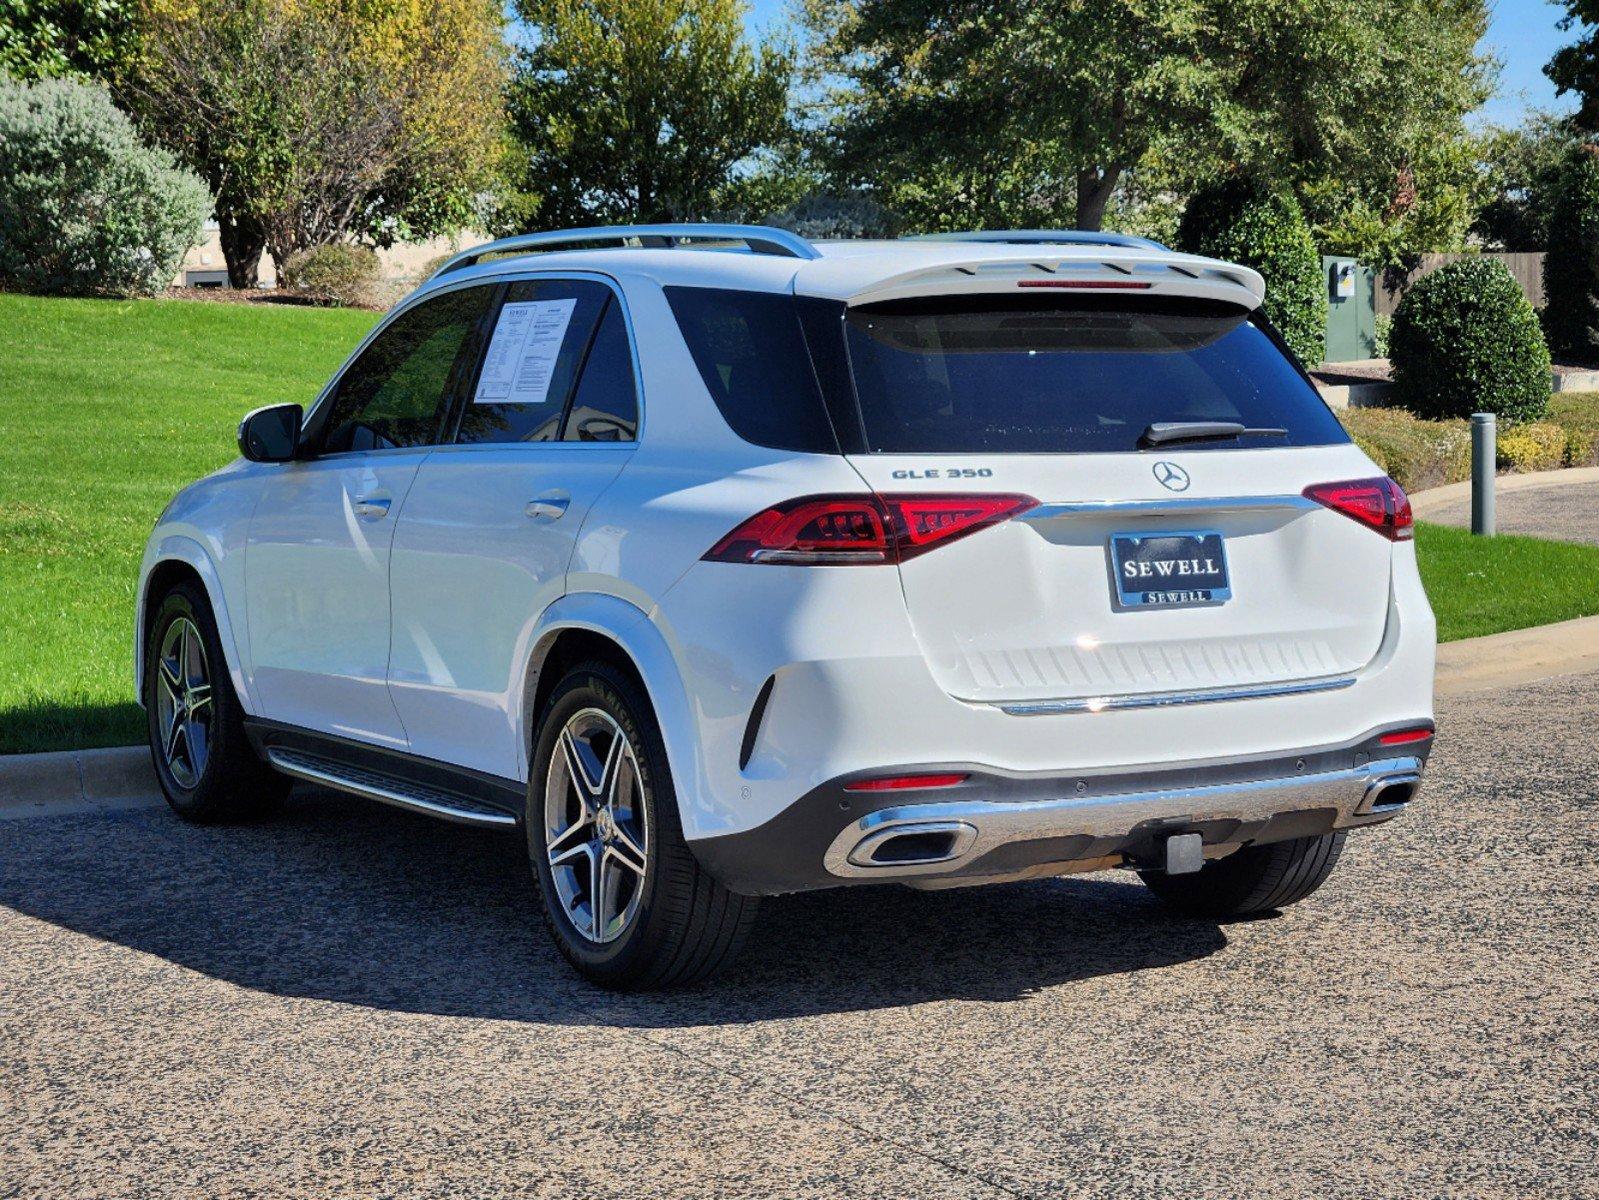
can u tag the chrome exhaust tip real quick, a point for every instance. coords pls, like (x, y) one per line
(1388, 794)
(914, 845)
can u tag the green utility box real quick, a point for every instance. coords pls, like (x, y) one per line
(1351, 309)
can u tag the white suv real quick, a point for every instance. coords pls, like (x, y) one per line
(726, 565)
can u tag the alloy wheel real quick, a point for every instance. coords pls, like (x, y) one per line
(183, 702)
(596, 826)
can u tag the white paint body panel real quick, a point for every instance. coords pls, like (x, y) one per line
(875, 668)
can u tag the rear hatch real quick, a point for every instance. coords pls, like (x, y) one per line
(1152, 562)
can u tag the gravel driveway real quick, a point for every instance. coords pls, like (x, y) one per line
(355, 1002)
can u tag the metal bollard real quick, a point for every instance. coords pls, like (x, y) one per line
(1484, 455)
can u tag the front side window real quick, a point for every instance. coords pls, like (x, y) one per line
(542, 335)
(394, 394)
(1004, 375)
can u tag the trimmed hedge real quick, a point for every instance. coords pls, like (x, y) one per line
(1244, 223)
(1571, 263)
(1464, 340)
(1535, 446)
(339, 273)
(1423, 454)
(86, 208)
(1417, 454)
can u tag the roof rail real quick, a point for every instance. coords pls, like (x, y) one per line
(760, 239)
(1044, 237)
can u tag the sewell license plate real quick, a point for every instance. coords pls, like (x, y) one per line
(1169, 570)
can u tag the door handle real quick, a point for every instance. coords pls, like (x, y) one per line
(372, 508)
(548, 507)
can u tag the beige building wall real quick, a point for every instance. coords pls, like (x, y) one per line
(204, 265)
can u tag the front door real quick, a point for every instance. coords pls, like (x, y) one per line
(488, 531)
(317, 562)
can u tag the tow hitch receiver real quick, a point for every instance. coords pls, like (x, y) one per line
(1185, 853)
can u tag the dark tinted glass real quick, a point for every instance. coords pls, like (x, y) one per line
(540, 336)
(751, 353)
(605, 408)
(1023, 377)
(392, 394)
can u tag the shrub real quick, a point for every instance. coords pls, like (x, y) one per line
(1535, 446)
(1244, 223)
(1418, 454)
(339, 273)
(1577, 414)
(86, 208)
(1385, 328)
(1571, 262)
(1465, 339)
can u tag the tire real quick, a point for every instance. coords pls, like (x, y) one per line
(1253, 880)
(667, 926)
(205, 764)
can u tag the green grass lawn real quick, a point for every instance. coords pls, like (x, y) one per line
(108, 408)
(1480, 585)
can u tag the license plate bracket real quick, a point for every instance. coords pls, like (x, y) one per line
(1180, 569)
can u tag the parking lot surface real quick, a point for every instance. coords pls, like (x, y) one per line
(351, 1001)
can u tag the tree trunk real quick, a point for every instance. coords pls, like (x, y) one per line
(1094, 188)
(243, 240)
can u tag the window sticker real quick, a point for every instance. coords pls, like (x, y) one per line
(523, 351)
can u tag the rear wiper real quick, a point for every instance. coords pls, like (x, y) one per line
(1167, 433)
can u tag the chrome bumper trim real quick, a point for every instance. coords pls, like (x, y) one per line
(1349, 791)
(1094, 704)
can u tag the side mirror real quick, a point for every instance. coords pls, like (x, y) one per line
(270, 434)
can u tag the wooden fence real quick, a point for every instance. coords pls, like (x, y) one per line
(1526, 267)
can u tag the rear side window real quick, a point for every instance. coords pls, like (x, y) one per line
(751, 353)
(1084, 375)
(541, 336)
(393, 394)
(605, 407)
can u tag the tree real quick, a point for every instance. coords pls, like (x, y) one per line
(85, 207)
(638, 110)
(1571, 263)
(47, 39)
(1242, 222)
(1575, 68)
(315, 121)
(1011, 112)
(1522, 166)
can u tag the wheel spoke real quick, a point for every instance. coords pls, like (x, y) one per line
(199, 697)
(172, 680)
(627, 852)
(174, 732)
(597, 896)
(611, 771)
(578, 767)
(571, 853)
(563, 839)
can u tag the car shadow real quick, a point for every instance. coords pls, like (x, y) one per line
(338, 899)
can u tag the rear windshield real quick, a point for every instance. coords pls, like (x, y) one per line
(1081, 375)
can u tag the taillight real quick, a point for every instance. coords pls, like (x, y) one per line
(861, 530)
(1379, 504)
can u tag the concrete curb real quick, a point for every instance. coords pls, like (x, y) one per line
(1433, 500)
(1503, 660)
(77, 781)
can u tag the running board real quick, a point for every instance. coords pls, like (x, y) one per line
(387, 789)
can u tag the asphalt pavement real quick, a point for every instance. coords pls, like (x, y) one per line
(351, 1001)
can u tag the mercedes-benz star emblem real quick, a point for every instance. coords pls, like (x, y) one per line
(1170, 475)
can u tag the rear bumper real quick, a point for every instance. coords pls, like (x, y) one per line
(995, 826)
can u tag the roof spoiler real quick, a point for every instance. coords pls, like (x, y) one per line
(1045, 237)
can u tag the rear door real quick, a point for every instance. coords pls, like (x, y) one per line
(489, 527)
(1144, 568)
